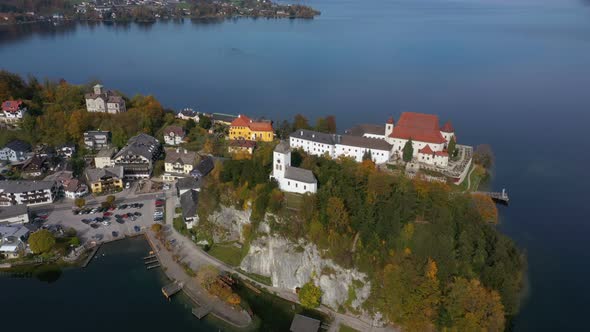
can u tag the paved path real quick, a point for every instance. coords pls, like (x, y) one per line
(196, 258)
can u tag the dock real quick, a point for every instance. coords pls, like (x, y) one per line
(171, 289)
(151, 261)
(149, 267)
(91, 255)
(149, 257)
(201, 312)
(501, 197)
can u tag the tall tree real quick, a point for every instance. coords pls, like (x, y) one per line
(452, 146)
(300, 122)
(408, 151)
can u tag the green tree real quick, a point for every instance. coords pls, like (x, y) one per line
(158, 168)
(310, 295)
(190, 124)
(75, 241)
(408, 151)
(41, 241)
(205, 122)
(472, 307)
(452, 147)
(80, 202)
(110, 200)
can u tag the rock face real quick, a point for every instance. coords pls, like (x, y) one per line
(291, 265)
(232, 222)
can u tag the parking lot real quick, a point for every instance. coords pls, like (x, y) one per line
(108, 225)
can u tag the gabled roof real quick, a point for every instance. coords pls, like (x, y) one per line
(426, 150)
(365, 142)
(315, 136)
(19, 146)
(96, 174)
(142, 145)
(13, 211)
(299, 174)
(189, 202)
(181, 156)
(205, 166)
(418, 127)
(12, 105)
(362, 129)
(22, 186)
(178, 131)
(188, 183)
(241, 121)
(244, 121)
(283, 147)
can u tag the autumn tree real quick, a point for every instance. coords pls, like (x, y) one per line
(310, 295)
(41, 241)
(205, 122)
(300, 122)
(337, 215)
(156, 228)
(80, 202)
(408, 151)
(472, 307)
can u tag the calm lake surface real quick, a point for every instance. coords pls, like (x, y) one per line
(514, 74)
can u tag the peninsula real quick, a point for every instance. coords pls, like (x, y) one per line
(371, 227)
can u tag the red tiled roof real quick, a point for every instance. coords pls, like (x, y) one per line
(441, 153)
(244, 121)
(241, 121)
(448, 127)
(418, 127)
(260, 126)
(426, 150)
(390, 120)
(11, 105)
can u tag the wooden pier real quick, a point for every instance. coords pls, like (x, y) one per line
(151, 261)
(149, 257)
(149, 267)
(91, 255)
(171, 289)
(201, 312)
(501, 197)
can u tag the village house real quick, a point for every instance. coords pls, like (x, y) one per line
(108, 179)
(189, 202)
(104, 101)
(30, 193)
(189, 114)
(244, 128)
(34, 167)
(69, 186)
(186, 184)
(241, 146)
(104, 158)
(13, 240)
(66, 150)
(222, 119)
(13, 110)
(138, 156)
(178, 163)
(15, 151)
(289, 178)
(14, 214)
(44, 150)
(174, 135)
(97, 139)
(204, 167)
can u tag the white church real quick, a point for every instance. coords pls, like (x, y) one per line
(291, 179)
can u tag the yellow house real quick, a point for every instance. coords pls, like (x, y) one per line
(105, 179)
(243, 128)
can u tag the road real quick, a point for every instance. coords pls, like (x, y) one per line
(195, 257)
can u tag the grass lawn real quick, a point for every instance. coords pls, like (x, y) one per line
(226, 253)
(293, 201)
(346, 328)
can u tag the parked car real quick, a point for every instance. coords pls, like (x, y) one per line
(94, 225)
(120, 221)
(136, 228)
(107, 214)
(137, 214)
(127, 185)
(115, 234)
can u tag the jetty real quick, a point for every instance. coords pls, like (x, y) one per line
(496, 196)
(149, 267)
(91, 255)
(171, 289)
(201, 312)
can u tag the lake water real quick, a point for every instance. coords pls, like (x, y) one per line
(514, 74)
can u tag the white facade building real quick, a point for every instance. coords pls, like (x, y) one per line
(15, 151)
(173, 135)
(104, 158)
(104, 101)
(289, 178)
(178, 163)
(14, 214)
(13, 110)
(30, 193)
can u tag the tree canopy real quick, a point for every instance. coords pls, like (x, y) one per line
(41, 241)
(310, 295)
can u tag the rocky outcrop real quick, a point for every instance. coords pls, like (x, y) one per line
(231, 223)
(291, 265)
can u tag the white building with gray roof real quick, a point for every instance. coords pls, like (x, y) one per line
(289, 178)
(138, 156)
(335, 146)
(14, 214)
(29, 193)
(104, 101)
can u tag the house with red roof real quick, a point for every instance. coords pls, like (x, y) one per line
(244, 128)
(13, 110)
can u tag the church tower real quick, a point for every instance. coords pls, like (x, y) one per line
(389, 126)
(281, 159)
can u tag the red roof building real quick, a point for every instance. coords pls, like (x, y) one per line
(448, 128)
(426, 150)
(12, 106)
(418, 127)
